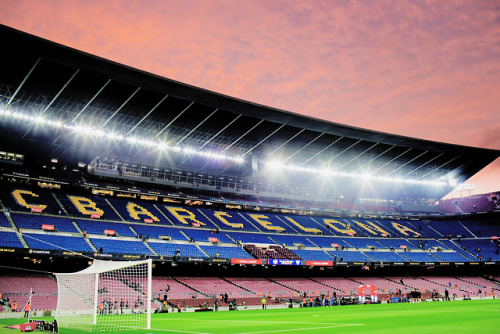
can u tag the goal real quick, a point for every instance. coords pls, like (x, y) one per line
(106, 296)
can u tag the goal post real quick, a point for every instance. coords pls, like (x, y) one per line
(106, 296)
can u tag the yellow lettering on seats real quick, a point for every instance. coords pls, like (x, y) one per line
(85, 205)
(135, 210)
(189, 216)
(303, 228)
(18, 196)
(266, 224)
(371, 228)
(403, 229)
(332, 223)
(219, 215)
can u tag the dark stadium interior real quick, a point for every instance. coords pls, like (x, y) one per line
(102, 161)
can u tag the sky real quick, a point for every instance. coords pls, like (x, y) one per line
(425, 69)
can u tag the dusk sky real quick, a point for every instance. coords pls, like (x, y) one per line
(426, 69)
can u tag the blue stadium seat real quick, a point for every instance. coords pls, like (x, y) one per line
(56, 242)
(251, 238)
(226, 252)
(169, 249)
(10, 239)
(156, 231)
(137, 211)
(4, 221)
(35, 222)
(98, 227)
(117, 246)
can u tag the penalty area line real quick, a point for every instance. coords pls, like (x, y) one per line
(300, 329)
(175, 331)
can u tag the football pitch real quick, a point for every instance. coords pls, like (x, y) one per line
(476, 316)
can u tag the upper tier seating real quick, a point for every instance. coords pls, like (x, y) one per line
(21, 199)
(229, 220)
(158, 231)
(186, 216)
(84, 206)
(4, 221)
(98, 227)
(138, 211)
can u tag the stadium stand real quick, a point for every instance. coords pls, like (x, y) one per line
(115, 196)
(35, 222)
(56, 242)
(120, 246)
(10, 239)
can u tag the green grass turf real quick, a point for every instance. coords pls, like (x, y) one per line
(481, 316)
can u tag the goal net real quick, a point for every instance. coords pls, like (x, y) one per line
(106, 296)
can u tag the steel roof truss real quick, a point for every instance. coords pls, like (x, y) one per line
(243, 135)
(441, 166)
(61, 90)
(373, 159)
(92, 99)
(149, 113)
(318, 153)
(197, 126)
(123, 105)
(303, 147)
(388, 162)
(345, 150)
(406, 163)
(422, 165)
(286, 142)
(263, 140)
(24, 81)
(218, 133)
(173, 120)
(360, 154)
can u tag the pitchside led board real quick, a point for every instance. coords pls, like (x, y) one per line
(285, 262)
(139, 211)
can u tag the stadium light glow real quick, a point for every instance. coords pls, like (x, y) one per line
(110, 135)
(278, 166)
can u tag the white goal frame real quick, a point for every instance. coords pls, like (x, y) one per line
(108, 295)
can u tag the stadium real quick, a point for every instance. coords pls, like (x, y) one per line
(130, 200)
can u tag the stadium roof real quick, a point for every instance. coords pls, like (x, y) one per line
(44, 80)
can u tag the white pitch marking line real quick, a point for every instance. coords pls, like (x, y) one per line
(264, 321)
(177, 331)
(299, 329)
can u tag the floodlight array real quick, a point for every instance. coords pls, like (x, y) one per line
(278, 166)
(116, 137)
